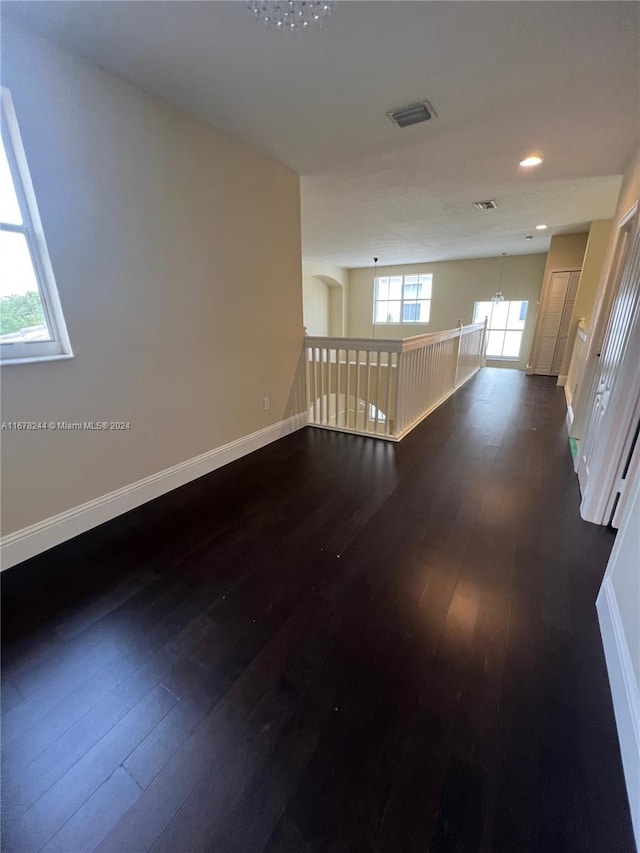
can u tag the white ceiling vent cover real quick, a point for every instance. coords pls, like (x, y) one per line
(485, 205)
(413, 114)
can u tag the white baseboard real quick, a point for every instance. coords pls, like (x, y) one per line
(562, 381)
(625, 695)
(32, 540)
(436, 405)
(569, 419)
(569, 399)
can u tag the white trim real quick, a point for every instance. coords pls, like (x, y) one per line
(360, 432)
(432, 408)
(625, 695)
(562, 380)
(403, 322)
(389, 344)
(568, 398)
(37, 359)
(630, 484)
(582, 331)
(629, 214)
(25, 543)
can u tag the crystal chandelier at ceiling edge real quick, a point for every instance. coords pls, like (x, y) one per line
(291, 15)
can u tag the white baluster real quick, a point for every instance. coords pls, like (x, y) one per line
(401, 402)
(314, 390)
(388, 401)
(367, 390)
(347, 389)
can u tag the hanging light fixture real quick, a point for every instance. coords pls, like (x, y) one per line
(498, 297)
(292, 15)
(375, 296)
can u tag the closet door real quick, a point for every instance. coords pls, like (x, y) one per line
(551, 322)
(565, 323)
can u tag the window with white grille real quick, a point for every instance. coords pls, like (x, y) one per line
(504, 328)
(402, 299)
(31, 323)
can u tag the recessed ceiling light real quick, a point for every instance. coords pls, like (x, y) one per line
(541, 227)
(528, 162)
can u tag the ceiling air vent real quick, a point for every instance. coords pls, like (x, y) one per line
(485, 205)
(413, 114)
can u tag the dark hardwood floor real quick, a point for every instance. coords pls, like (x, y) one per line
(335, 644)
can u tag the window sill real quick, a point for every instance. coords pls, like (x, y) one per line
(34, 359)
(502, 358)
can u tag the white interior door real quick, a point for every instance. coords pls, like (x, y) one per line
(551, 322)
(565, 323)
(630, 474)
(614, 394)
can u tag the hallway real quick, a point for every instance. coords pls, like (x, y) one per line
(334, 644)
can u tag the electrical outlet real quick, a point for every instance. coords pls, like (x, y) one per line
(266, 402)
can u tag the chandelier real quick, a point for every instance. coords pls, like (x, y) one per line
(292, 15)
(497, 298)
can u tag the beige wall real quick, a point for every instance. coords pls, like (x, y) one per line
(325, 294)
(566, 251)
(315, 305)
(177, 256)
(629, 195)
(592, 266)
(457, 285)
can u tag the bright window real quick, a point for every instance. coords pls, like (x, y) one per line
(505, 326)
(402, 299)
(31, 322)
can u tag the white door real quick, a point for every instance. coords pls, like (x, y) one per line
(614, 393)
(551, 321)
(555, 321)
(565, 323)
(630, 474)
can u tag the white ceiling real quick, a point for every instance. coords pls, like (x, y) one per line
(506, 79)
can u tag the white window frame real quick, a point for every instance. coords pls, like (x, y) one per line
(402, 300)
(505, 330)
(59, 347)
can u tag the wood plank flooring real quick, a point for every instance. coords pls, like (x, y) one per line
(334, 644)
